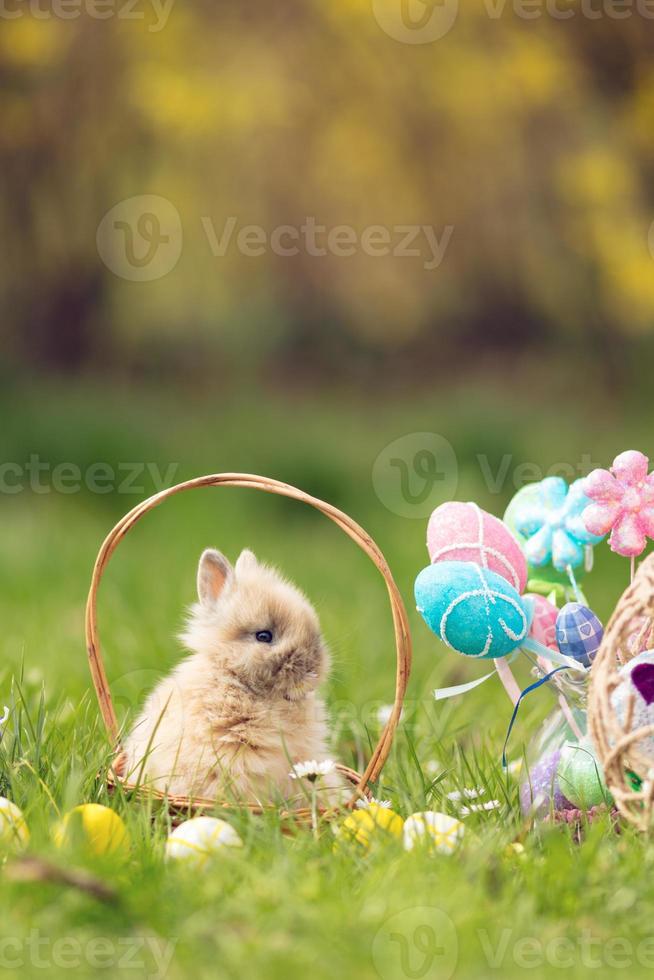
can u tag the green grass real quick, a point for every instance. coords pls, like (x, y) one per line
(288, 906)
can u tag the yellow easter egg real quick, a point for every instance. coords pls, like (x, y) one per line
(196, 840)
(370, 824)
(14, 832)
(437, 833)
(99, 828)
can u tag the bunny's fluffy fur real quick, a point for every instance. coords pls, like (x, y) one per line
(232, 718)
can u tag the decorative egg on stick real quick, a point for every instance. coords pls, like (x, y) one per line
(471, 609)
(579, 633)
(465, 532)
(543, 621)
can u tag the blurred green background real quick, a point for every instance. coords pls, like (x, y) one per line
(516, 153)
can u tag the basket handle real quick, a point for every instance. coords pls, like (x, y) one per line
(346, 524)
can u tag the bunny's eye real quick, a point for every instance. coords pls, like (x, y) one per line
(263, 636)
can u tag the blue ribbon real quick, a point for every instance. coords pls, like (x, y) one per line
(527, 690)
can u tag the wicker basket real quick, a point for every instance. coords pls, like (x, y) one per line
(379, 756)
(616, 744)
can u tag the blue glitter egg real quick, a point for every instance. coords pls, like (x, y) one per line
(471, 609)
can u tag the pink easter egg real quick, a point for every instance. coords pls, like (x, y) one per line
(465, 532)
(543, 625)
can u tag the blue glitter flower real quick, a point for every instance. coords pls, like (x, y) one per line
(552, 524)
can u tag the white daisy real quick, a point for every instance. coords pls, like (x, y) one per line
(5, 716)
(312, 770)
(477, 807)
(469, 794)
(364, 804)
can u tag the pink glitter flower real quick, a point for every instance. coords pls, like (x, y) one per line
(623, 503)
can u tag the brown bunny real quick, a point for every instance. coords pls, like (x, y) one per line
(234, 717)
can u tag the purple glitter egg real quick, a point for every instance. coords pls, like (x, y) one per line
(541, 792)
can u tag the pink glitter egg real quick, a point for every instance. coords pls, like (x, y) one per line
(543, 624)
(465, 532)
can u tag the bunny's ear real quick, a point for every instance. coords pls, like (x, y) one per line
(214, 575)
(246, 562)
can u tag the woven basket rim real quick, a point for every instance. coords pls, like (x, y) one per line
(178, 805)
(354, 531)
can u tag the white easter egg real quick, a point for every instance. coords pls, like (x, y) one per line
(196, 840)
(635, 681)
(14, 832)
(436, 832)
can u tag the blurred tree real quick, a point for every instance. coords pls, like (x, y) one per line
(530, 139)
